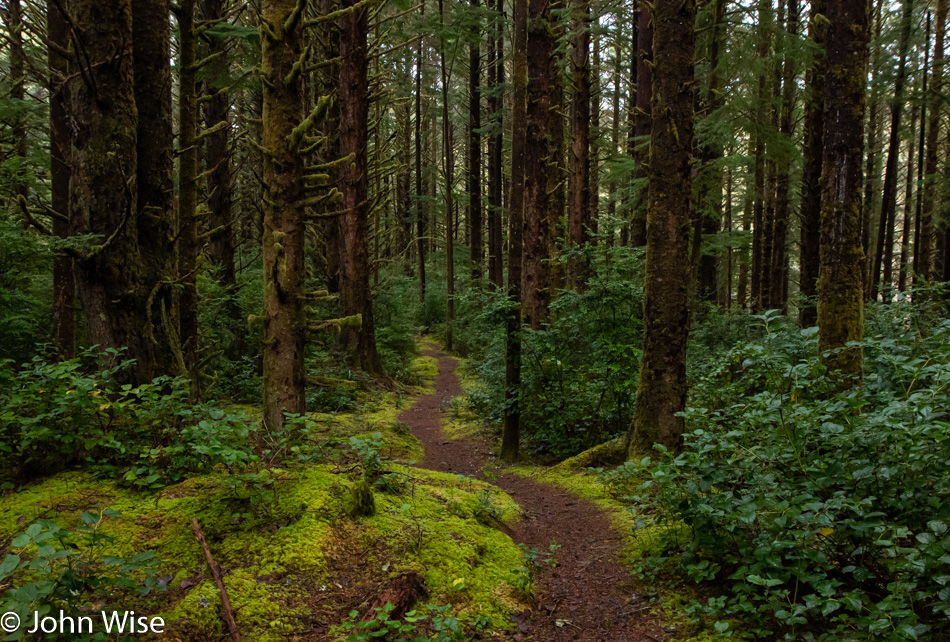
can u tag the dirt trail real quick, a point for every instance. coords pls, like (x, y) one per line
(589, 595)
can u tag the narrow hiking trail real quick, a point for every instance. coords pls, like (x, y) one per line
(589, 595)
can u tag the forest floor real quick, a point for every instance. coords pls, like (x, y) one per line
(588, 594)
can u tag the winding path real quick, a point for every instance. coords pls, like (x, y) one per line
(588, 595)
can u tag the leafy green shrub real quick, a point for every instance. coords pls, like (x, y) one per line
(819, 515)
(52, 567)
(412, 627)
(59, 414)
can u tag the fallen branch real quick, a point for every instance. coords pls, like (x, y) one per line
(226, 611)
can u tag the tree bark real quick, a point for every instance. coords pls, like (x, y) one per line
(661, 393)
(420, 211)
(475, 149)
(908, 204)
(102, 191)
(643, 122)
(188, 246)
(544, 195)
(883, 257)
(448, 167)
(511, 423)
(579, 154)
(811, 173)
(872, 173)
(924, 247)
(283, 253)
(841, 279)
(496, 70)
(151, 51)
(353, 96)
(64, 287)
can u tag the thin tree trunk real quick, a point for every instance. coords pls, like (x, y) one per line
(872, 173)
(779, 268)
(188, 144)
(511, 426)
(661, 394)
(496, 149)
(883, 257)
(908, 204)
(579, 188)
(449, 171)
(840, 285)
(353, 88)
(643, 122)
(475, 150)
(283, 245)
(64, 288)
(593, 215)
(811, 174)
(924, 247)
(759, 230)
(420, 211)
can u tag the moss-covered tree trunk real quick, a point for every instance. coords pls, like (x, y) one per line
(64, 287)
(496, 70)
(511, 424)
(809, 259)
(544, 183)
(841, 279)
(283, 237)
(353, 97)
(151, 51)
(923, 248)
(102, 191)
(661, 393)
(188, 247)
(579, 152)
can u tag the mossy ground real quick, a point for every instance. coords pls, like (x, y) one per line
(292, 563)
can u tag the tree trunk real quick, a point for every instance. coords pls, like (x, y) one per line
(283, 254)
(811, 173)
(475, 149)
(353, 97)
(151, 43)
(449, 170)
(593, 215)
(579, 188)
(840, 284)
(759, 227)
(217, 157)
(102, 191)
(511, 424)
(64, 287)
(924, 247)
(496, 70)
(188, 246)
(908, 204)
(661, 394)
(778, 288)
(13, 17)
(872, 173)
(643, 122)
(420, 211)
(544, 196)
(884, 255)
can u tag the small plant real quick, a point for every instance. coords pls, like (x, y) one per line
(441, 628)
(533, 561)
(52, 567)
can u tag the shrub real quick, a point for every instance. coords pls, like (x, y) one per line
(817, 514)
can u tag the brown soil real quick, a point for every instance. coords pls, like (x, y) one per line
(589, 595)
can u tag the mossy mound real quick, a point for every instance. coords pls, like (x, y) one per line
(289, 561)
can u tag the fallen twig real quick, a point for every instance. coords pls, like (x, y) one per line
(226, 611)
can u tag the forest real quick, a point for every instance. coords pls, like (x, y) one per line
(532, 320)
